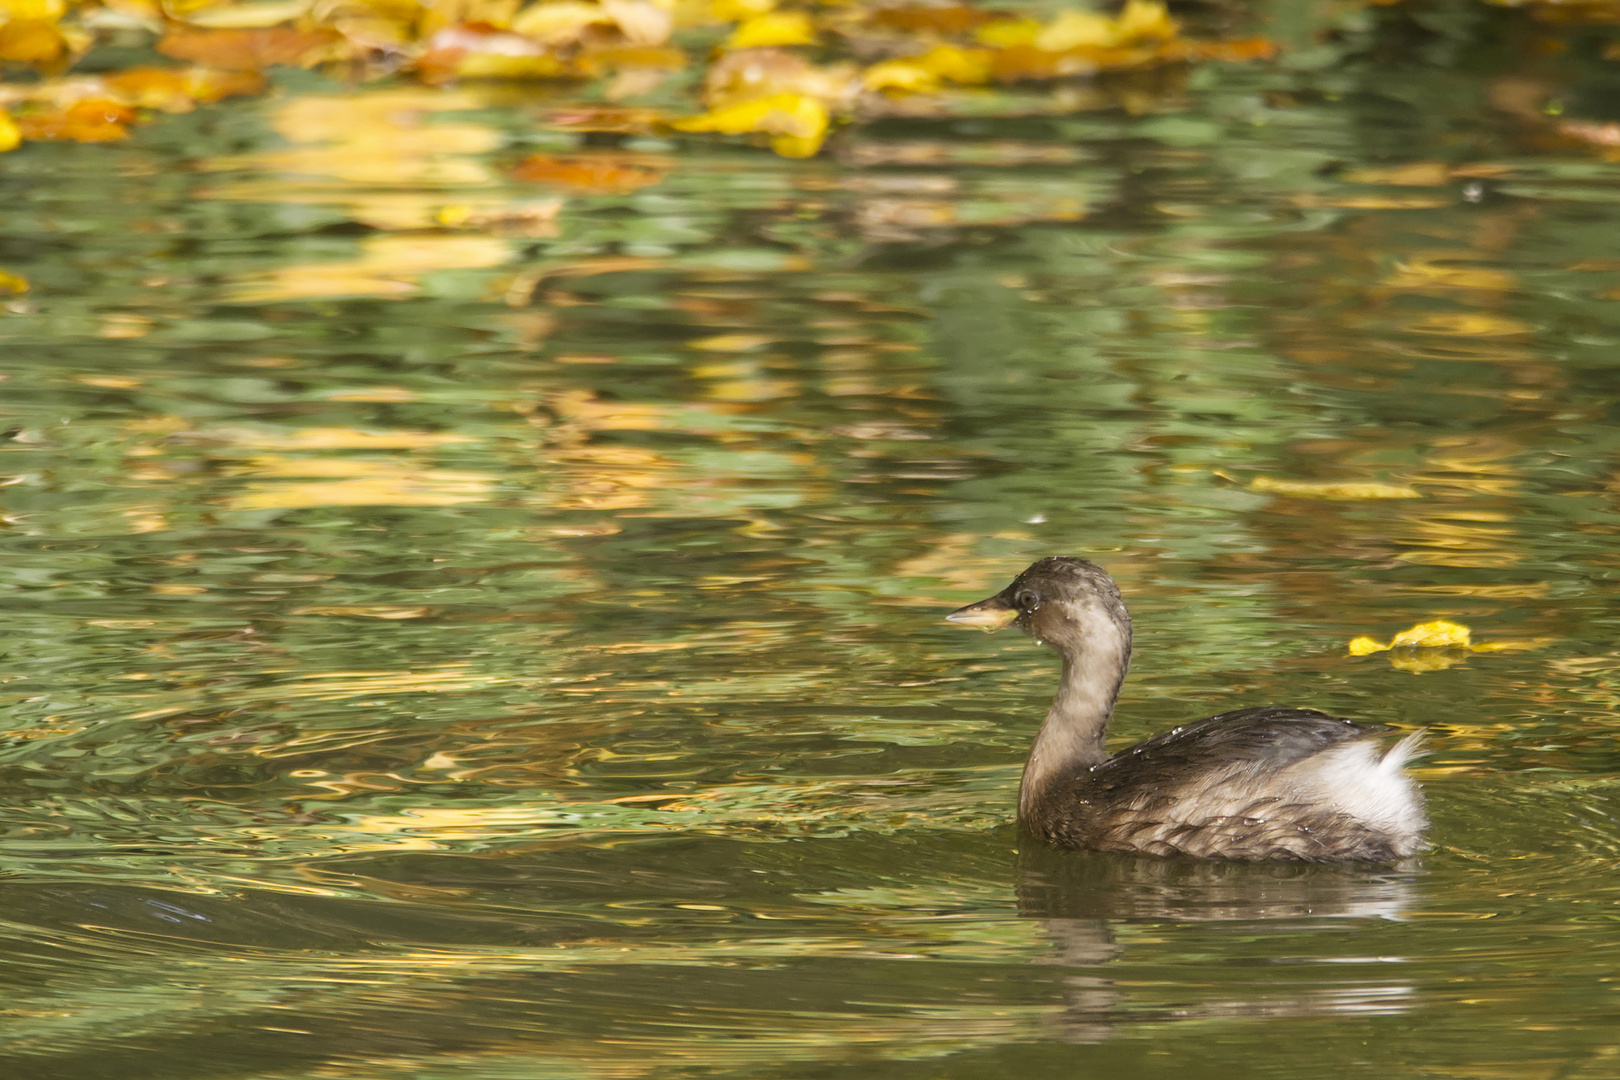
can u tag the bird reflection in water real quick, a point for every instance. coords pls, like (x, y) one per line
(1090, 902)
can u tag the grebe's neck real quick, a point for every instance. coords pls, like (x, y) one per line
(1071, 736)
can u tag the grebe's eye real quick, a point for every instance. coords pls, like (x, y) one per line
(1027, 601)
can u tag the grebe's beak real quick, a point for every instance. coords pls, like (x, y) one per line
(987, 615)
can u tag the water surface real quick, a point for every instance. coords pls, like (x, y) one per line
(462, 626)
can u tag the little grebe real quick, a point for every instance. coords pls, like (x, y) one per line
(1254, 784)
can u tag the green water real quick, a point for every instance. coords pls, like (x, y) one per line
(461, 628)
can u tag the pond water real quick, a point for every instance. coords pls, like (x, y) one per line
(476, 622)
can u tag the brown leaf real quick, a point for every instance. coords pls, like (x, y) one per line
(634, 56)
(955, 19)
(247, 50)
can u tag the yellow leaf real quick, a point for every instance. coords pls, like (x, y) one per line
(559, 20)
(1074, 29)
(1007, 33)
(797, 146)
(1438, 634)
(11, 284)
(1146, 19)
(1365, 646)
(250, 16)
(908, 75)
(9, 138)
(1301, 489)
(920, 74)
(967, 66)
(738, 10)
(34, 9)
(773, 28)
(31, 41)
(779, 114)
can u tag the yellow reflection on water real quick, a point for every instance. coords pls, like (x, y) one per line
(388, 265)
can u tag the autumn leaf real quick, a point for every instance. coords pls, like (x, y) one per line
(10, 134)
(1434, 646)
(247, 50)
(773, 29)
(179, 90)
(470, 52)
(83, 121)
(928, 71)
(798, 120)
(1439, 634)
(751, 74)
(953, 21)
(754, 83)
(606, 174)
(31, 41)
(558, 22)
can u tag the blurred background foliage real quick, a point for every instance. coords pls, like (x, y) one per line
(786, 74)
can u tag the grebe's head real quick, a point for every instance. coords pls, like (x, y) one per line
(1065, 602)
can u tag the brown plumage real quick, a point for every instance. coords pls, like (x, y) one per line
(1254, 784)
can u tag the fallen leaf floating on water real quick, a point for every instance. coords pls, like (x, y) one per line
(1433, 646)
(1439, 634)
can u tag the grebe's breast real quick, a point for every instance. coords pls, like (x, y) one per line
(1266, 783)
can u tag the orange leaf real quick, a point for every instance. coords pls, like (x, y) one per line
(31, 41)
(605, 174)
(83, 121)
(246, 50)
(1027, 62)
(180, 89)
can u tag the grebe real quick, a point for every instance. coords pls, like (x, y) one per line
(1255, 784)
